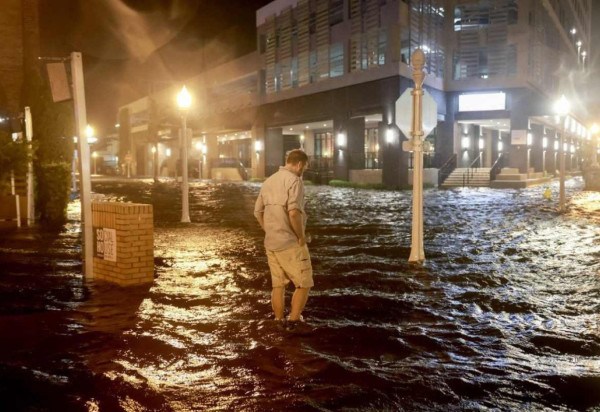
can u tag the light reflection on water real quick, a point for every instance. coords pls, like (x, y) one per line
(504, 313)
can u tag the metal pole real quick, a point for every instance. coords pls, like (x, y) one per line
(417, 253)
(30, 201)
(185, 206)
(561, 203)
(84, 163)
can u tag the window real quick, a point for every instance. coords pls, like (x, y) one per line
(313, 67)
(372, 157)
(382, 46)
(324, 145)
(336, 60)
(336, 12)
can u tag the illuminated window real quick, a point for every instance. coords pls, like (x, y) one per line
(372, 148)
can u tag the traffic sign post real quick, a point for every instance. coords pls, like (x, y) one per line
(416, 123)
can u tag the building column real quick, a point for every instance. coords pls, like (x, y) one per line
(273, 154)
(212, 153)
(395, 161)
(536, 154)
(349, 144)
(517, 154)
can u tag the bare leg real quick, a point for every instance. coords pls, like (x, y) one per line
(278, 302)
(299, 299)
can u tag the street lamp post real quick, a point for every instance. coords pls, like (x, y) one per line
(95, 156)
(562, 108)
(184, 101)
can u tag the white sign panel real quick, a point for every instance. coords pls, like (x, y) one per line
(105, 243)
(475, 102)
(518, 137)
(404, 113)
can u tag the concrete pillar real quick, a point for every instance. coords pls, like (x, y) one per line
(273, 150)
(350, 151)
(517, 154)
(536, 154)
(212, 153)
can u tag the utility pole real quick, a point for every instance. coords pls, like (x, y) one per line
(84, 162)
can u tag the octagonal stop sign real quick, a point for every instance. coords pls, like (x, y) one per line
(404, 113)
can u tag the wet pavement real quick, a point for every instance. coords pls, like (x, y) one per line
(504, 314)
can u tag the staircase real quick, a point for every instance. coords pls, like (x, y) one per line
(479, 177)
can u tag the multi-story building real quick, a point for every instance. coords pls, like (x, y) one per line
(19, 45)
(326, 76)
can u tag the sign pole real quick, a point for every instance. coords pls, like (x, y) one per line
(417, 253)
(84, 163)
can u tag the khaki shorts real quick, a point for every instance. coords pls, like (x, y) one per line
(291, 264)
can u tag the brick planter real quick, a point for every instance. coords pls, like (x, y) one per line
(123, 242)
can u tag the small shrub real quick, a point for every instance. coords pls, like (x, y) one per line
(53, 192)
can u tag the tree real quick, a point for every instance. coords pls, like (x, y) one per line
(53, 131)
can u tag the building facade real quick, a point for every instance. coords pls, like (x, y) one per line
(326, 77)
(19, 49)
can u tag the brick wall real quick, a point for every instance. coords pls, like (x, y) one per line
(11, 55)
(134, 247)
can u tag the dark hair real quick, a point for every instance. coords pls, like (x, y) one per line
(295, 156)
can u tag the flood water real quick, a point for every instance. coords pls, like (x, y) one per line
(503, 315)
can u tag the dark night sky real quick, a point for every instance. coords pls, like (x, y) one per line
(129, 45)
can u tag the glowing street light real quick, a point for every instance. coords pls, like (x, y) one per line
(90, 134)
(184, 101)
(562, 108)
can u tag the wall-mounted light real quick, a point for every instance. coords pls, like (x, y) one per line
(544, 142)
(572, 148)
(389, 135)
(500, 145)
(556, 145)
(466, 142)
(168, 152)
(341, 140)
(481, 144)
(565, 147)
(529, 139)
(153, 149)
(258, 146)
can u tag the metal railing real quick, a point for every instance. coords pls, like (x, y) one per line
(496, 167)
(470, 172)
(230, 162)
(447, 168)
(320, 169)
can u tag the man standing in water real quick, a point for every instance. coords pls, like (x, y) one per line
(279, 210)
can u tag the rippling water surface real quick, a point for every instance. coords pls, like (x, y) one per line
(503, 315)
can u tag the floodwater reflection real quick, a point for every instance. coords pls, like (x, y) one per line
(503, 315)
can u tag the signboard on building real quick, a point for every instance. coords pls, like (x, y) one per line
(105, 244)
(478, 102)
(518, 137)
